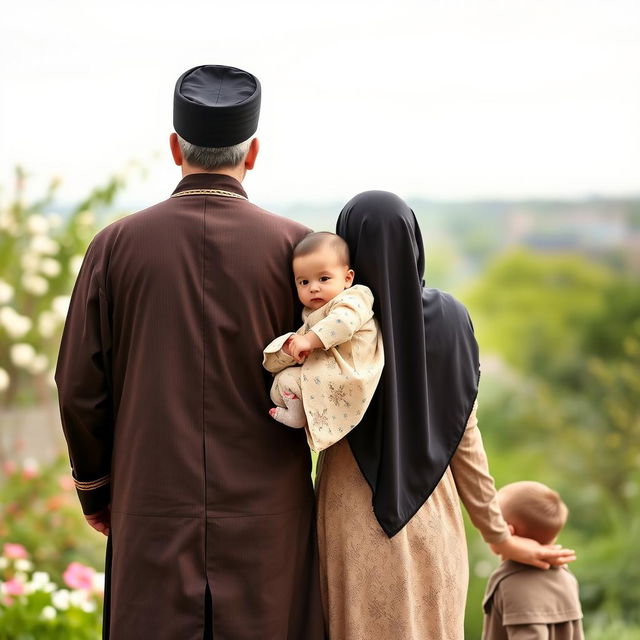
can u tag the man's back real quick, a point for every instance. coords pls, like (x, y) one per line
(205, 486)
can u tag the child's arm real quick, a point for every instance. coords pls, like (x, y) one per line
(277, 355)
(347, 315)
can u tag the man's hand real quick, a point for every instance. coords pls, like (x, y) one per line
(299, 347)
(101, 521)
(528, 551)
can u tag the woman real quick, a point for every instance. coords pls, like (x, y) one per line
(392, 544)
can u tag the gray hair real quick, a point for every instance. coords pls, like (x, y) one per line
(209, 158)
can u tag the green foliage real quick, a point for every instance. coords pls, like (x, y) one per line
(530, 308)
(560, 403)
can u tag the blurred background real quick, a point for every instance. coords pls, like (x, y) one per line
(512, 128)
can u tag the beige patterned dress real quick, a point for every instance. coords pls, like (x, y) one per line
(412, 586)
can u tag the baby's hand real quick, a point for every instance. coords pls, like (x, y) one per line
(285, 346)
(299, 347)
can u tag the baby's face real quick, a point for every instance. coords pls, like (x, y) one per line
(320, 277)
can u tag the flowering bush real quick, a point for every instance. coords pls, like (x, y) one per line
(39, 509)
(32, 606)
(40, 255)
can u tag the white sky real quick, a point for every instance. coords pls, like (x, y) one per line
(442, 99)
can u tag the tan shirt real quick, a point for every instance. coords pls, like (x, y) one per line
(337, 382)
(525, 603)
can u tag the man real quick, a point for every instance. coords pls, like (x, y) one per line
(207, 501)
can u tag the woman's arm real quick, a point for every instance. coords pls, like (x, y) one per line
(475, 485)
(477, 490)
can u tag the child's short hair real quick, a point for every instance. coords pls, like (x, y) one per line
(314, 241)
(535, 510)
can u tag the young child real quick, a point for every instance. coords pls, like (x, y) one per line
(522, 602)
(338, 347)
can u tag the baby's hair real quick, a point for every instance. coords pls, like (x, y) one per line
(314, 241)
(535, 510)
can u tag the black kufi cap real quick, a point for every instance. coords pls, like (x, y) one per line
(216, 106)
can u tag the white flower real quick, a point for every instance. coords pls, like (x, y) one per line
(21, 576)
(39, 364)
(22, 564)
(37, 224)
(22, 354)
(37, 285)
(6, 292)
(15, 324)
(60, 305)
(4, 385)
(48, 613)
(78, 597)
(74, 264)
(60, 599)
(30, 261)
(39, 580)
(44, 245)
(48, 322)
(4, 562)
(98, 581)
(30, 465)
(89, 606)
(50, 267)
(86, 218)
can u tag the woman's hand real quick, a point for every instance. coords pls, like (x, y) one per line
(528, 551)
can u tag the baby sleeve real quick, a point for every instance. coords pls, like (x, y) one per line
(274, 359)
(349, 312)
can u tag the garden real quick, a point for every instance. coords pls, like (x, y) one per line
(559, 403)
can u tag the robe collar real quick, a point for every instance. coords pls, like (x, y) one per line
(210, 181)
(506, 569)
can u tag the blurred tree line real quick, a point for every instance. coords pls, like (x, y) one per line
(561, 404)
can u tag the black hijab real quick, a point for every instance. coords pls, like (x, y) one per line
(430, 379)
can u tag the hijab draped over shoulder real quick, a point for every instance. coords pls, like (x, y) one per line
(429, 384)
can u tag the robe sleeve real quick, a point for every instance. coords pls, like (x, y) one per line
(350, 312)
(476, 486)
(83, 378)
(274, 359)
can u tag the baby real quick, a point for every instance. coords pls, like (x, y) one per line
(521, 601)
(338, 347)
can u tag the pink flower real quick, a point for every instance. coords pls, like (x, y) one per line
(15, 551)
(13, 587)
(78, 576)
(66, 483)
(9, 467)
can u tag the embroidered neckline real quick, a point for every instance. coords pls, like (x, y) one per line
(209, 192)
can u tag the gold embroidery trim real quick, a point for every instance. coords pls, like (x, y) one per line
(209, 192)
(94, 484)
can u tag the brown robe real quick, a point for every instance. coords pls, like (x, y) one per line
(164, 405)
(526, 603)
